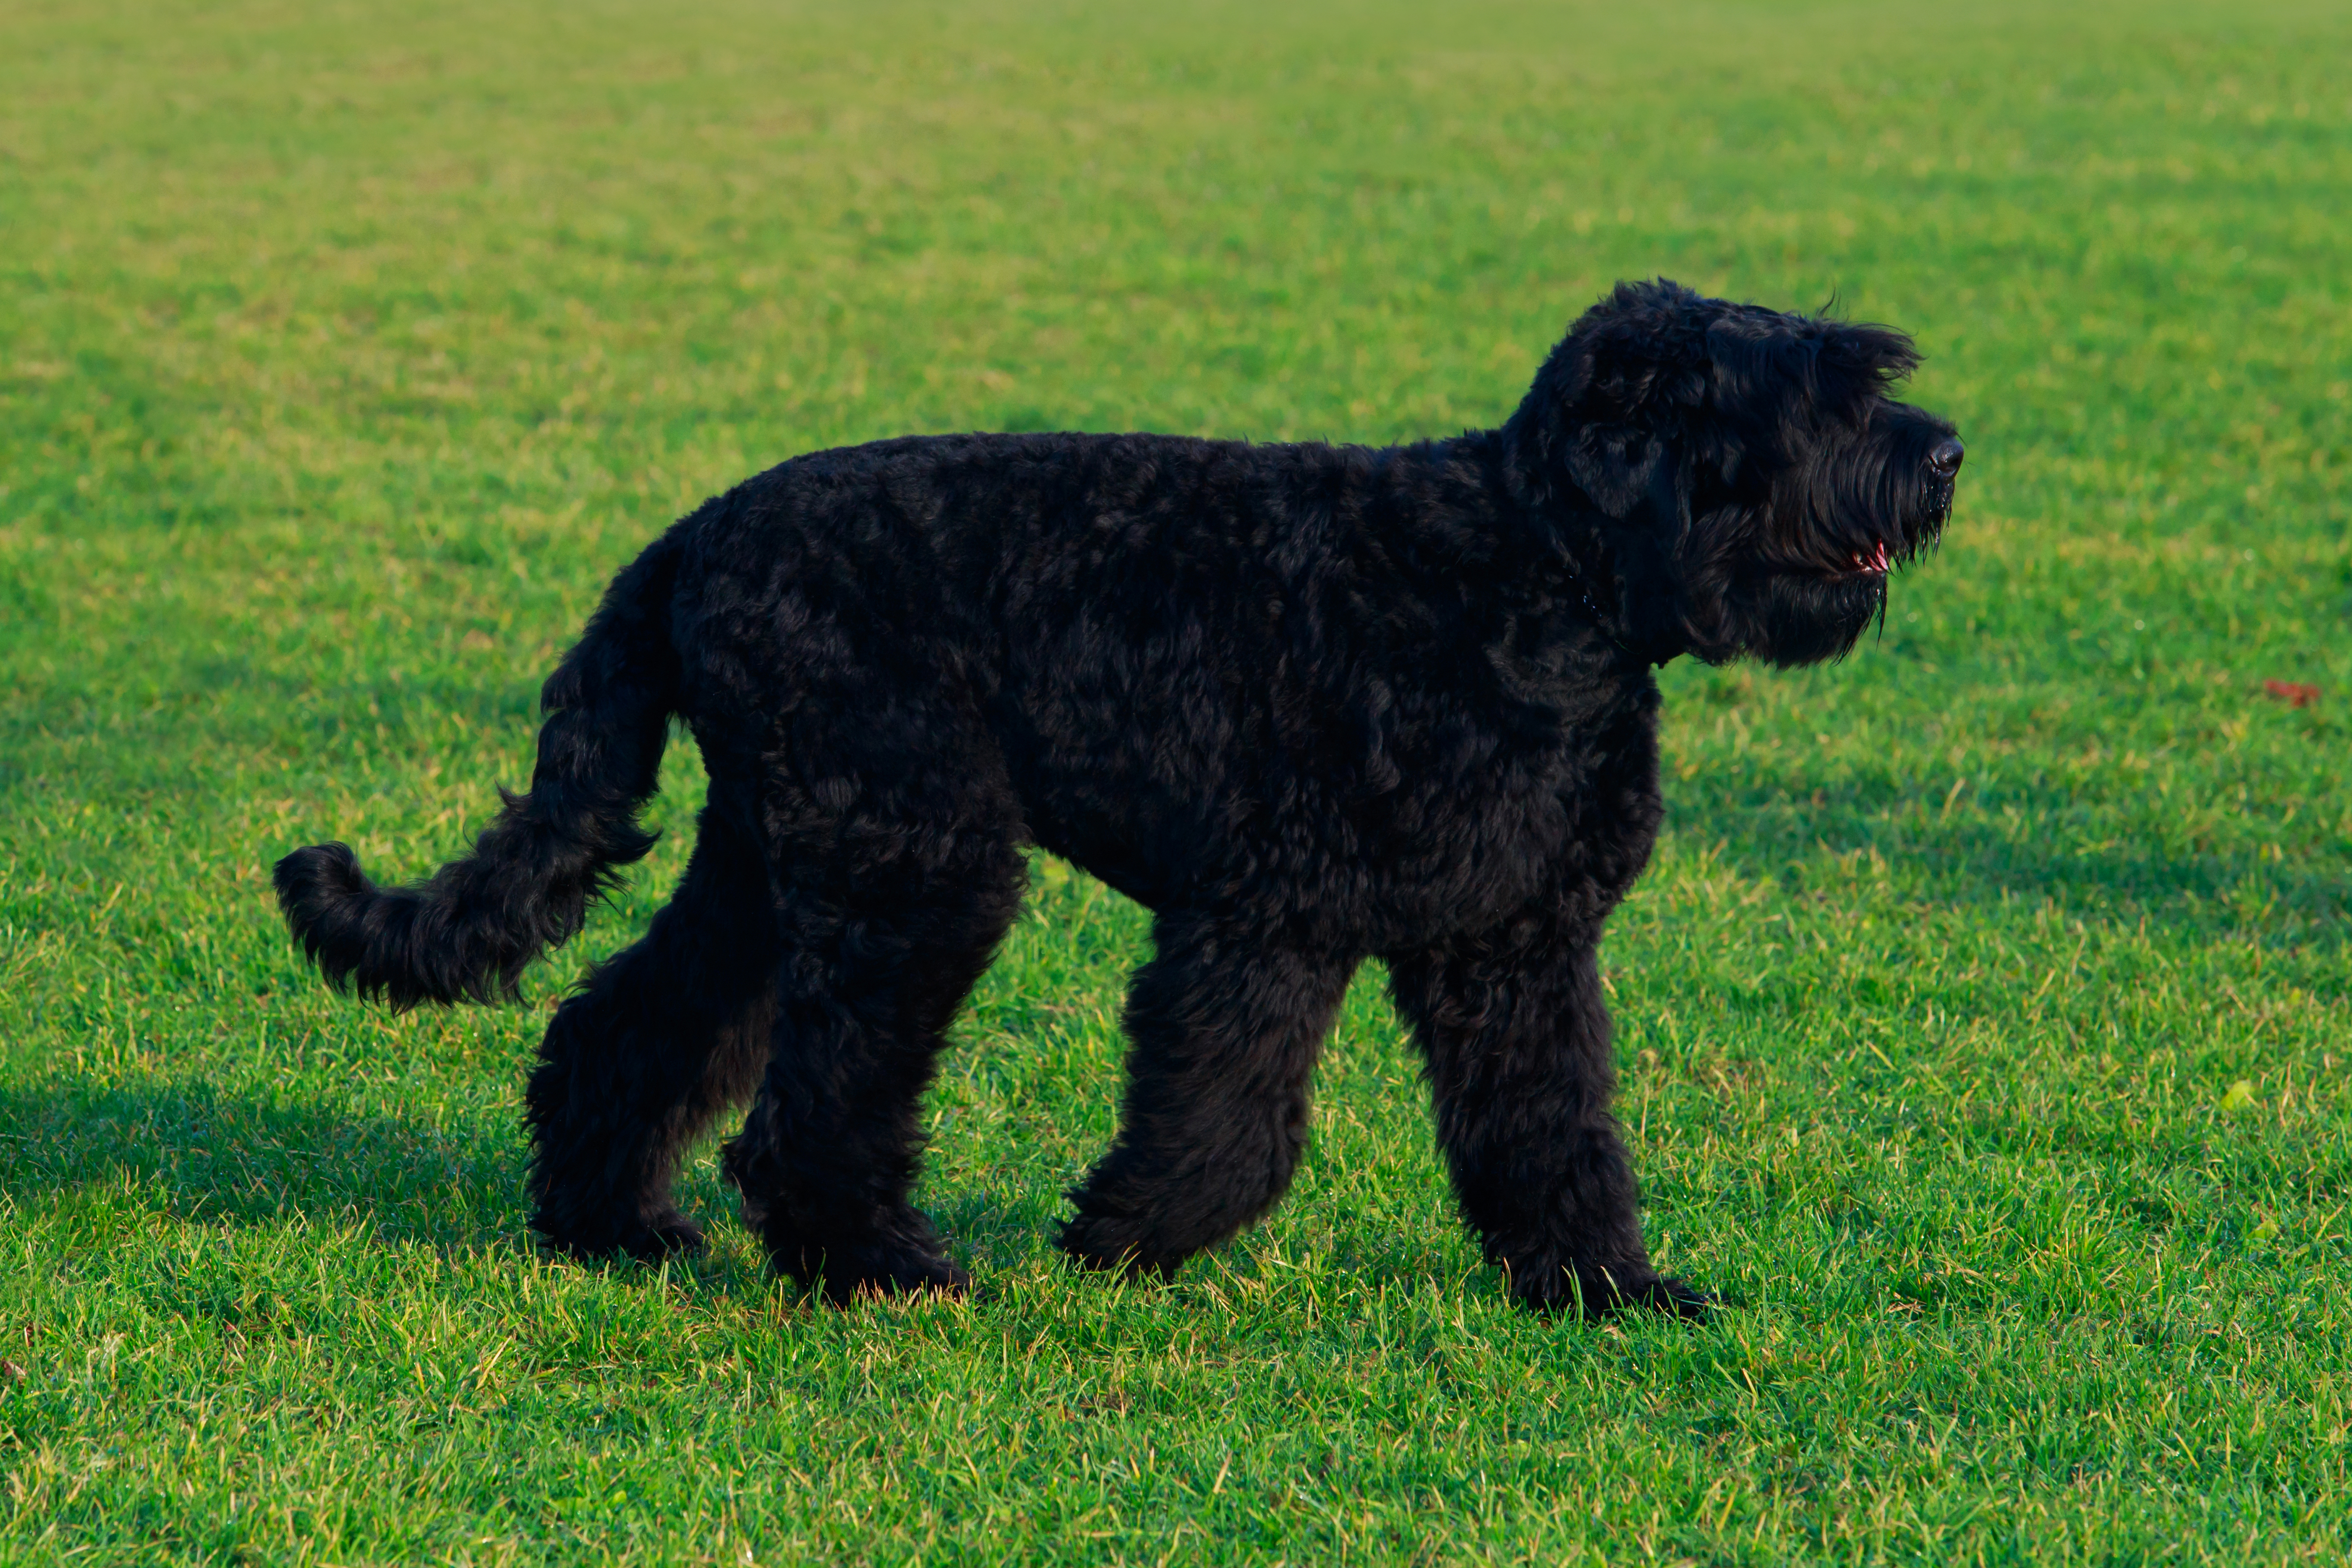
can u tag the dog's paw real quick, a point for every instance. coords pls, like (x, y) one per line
(905, 1258)
(671, 1235)
(1676, 1299)
(846, 1275)
(647, 1240)
(1112, 1245)
(1596, 1293)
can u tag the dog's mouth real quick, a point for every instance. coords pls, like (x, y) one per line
(1876, 562)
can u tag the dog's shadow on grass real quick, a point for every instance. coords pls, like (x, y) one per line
(98, 1158)
(1978, 857)
(197, 1152)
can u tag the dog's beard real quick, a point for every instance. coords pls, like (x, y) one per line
(1809, 575)
(1797, 617)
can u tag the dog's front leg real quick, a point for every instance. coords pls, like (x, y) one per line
(1516, 1036)
(1224, 1023)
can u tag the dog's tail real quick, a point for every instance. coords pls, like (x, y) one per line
(468, 933)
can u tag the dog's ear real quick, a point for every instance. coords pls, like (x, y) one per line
(1606, 404)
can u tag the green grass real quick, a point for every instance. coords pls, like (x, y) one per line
(1985, 1014)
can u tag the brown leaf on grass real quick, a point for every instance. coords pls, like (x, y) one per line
(2294, 693)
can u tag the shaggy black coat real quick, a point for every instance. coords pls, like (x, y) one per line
(1308, 704)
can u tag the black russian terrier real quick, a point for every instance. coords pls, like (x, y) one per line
(1308, 704)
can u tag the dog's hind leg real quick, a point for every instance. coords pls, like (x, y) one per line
(886, 929)
(658, 1041)
(1226, 1024)
(1515, 1033)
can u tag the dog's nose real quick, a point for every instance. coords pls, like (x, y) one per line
(1945, 460)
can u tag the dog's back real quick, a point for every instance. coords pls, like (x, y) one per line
(1192, 663)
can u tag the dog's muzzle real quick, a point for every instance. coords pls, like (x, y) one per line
(1943, 463)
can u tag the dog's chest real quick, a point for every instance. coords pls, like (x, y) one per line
(1553, 800)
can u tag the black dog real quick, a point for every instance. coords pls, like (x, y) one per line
(1306, 703)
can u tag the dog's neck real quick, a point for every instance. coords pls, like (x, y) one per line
(1612, 564)
(1606, 620)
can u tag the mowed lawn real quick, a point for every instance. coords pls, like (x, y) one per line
(1984, 1016)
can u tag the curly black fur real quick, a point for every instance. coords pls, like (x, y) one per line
(1308, 704)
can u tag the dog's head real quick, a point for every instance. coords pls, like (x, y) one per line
(1746, 473)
